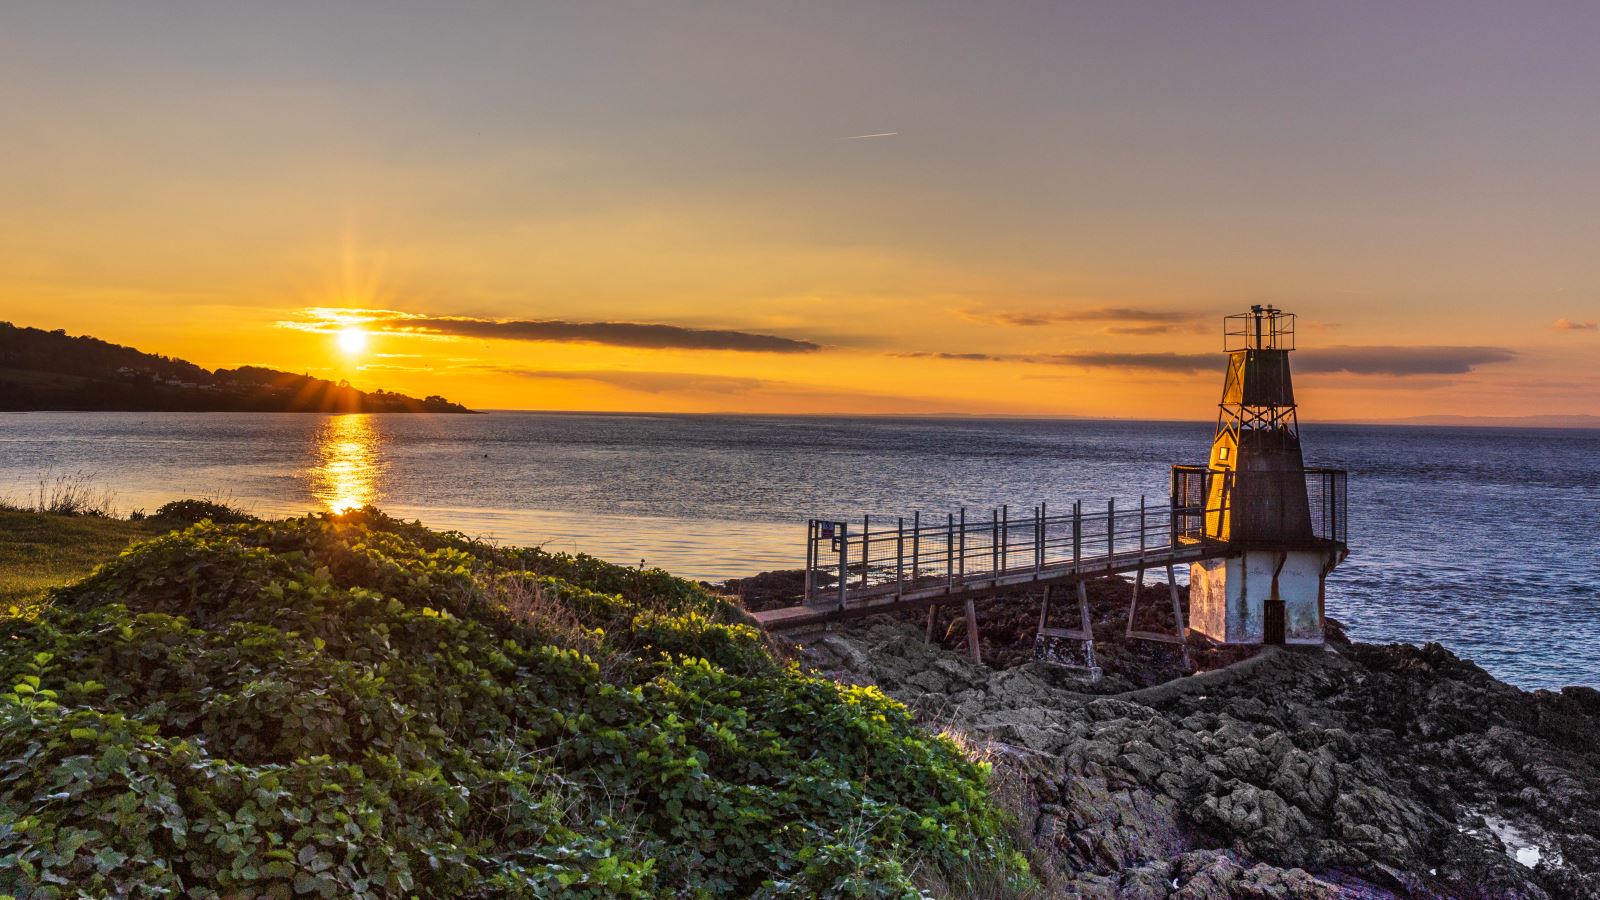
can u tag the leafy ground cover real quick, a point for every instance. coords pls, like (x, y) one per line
(41, 550)
(356, 706)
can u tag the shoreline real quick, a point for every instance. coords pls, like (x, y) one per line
(1353, 770)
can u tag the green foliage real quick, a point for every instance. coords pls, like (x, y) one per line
(355, 706)
(179, 513)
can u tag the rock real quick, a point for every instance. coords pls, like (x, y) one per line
(1361, 772)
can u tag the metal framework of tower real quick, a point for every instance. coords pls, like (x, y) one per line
(1259, 493)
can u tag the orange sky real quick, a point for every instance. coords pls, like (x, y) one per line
(1074, 197)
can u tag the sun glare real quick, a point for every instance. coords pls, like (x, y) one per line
(352, 341)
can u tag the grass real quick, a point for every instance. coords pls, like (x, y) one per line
(40, 551)
(68, 494)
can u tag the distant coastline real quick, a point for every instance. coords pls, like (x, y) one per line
(1496, 421)
(51, 371)
(1571, 422)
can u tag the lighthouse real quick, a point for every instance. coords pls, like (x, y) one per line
(1280, 525)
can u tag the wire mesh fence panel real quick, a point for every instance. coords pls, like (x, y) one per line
(1327, 491)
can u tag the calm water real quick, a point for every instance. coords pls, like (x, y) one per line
(1487, 540)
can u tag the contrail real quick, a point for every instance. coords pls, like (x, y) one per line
(862, 137)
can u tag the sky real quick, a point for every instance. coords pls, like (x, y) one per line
(881, 207)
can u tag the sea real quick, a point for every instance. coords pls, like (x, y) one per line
(1485, 540)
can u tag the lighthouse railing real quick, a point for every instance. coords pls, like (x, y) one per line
(1328, 492)
(1201, 503)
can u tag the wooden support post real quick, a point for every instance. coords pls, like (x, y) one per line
(928, 633)
(1133, 605)
(1087, 624)
(1179, 624)
(1044, 609)
(972, 632)
(900, 558)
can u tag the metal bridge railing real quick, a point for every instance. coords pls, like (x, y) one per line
(905, 555)
(914, 555)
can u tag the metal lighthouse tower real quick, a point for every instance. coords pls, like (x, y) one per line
(1282, 539)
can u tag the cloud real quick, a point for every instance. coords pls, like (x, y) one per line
(971, 357)
(648, 382)
(650, 336)
(1375, 360)
(1401, 361)
(616, 334)
(1565, 324)
(1159, 362)
(1150, 318)
(1155, 362)
(1151, 329)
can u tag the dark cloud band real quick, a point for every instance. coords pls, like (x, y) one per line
(615, 334)
(1391, 360)
(1377, 360)
(1155, 362)
(970, 357)
(1151, 318)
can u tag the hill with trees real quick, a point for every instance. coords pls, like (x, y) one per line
(52, 370)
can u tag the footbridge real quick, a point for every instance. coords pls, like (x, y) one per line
(887, 565)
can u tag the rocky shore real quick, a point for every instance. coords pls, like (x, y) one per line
(1350, 770)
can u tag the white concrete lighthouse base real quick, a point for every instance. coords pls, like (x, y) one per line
(1228, 598)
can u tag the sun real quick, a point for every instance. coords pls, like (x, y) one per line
(352, 341)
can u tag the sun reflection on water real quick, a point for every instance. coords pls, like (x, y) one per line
(346, 476)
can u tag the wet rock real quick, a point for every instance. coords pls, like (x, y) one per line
(1361, 772)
